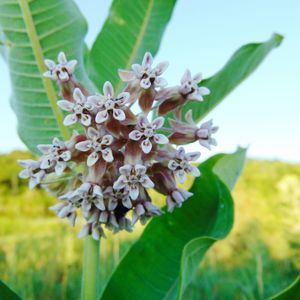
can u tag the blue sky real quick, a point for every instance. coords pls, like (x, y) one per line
(263, 112)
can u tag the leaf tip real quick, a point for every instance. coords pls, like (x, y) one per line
(277, 38)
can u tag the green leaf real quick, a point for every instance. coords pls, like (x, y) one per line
(228, 166)
(131, 29)
(6, 293)
(35, 30)
(163, 261)
(292, 292)
(243, 62)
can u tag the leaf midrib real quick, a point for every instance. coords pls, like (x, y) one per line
(138, 41)
(38, 53)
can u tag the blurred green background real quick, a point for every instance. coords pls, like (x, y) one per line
(40, 255)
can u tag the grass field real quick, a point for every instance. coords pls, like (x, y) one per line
(40, 255)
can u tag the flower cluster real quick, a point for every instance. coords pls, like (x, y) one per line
(106, 169)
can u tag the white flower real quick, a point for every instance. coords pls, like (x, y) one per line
(32, 171)
(97, 144)
(94, 229)
(132, 178)
(176, 198)
(146, 75)
(143, 211)
(146, 131)
(189, 86)
(180, 164)
(65, 209)
(114, 197)
(89, 194)
(108, 104)
(56, 155)
(62, 71)
(204, 134)
(80, 109)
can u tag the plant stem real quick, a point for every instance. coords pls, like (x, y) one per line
(90, 269)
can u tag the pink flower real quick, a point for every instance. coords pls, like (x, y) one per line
(80, 110)
(189, 86)
(132, 178)
(97, 144)
(145, 131)
(180, 164)
(108, 104)
(145, 74)
(63, 71)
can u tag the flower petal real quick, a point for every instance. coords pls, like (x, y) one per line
(44, 148)
(160, 139)
(119, 114)
(146, 146)
(137, 70)
(194, 171)
(108, 90)
(101, 116)
(50, 64)
(92, 159)
(59, 167)
(160, 82)
(70, 119)
(126, 202)
(125, 170)
(84, 231)
(161, 67)
(197, 77)
(107, 140)
(180, 175)
(107, 155)
(192, 156)
(78, 96)
(85, 119)
(135, 135)
(158, 123)
(146, 182)
(202, 90)
(71, 65)
(92, 133)
(84, 146)
(140, 169)
(147, 60)
(61, 58)
(24, 174)
(112, 204)
(126, 75)
(120, 183)
(134, 191)
(65, 105)
(186, 76)
(122, 98)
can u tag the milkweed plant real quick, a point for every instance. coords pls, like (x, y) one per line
(108, 130)
(118, 155)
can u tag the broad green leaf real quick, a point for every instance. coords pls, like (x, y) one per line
(292, 292)
(229, 167)
(34, 30)
(162, 262)
(243, 62)
(131, 29)
(6, 293)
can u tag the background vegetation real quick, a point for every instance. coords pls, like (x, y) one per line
(40, 255)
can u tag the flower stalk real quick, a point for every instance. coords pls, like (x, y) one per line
(90, 286)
